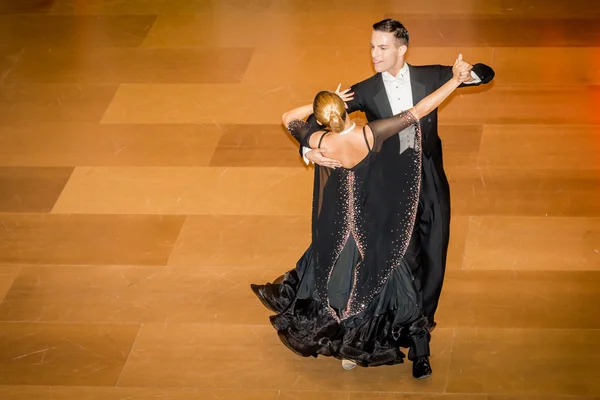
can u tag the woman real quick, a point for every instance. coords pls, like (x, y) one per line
(352, 296)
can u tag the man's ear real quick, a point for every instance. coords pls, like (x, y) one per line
(402, 50)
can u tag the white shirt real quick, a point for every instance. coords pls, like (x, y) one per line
(398, 89)
(399, 94)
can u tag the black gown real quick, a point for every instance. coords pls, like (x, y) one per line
(352, 295)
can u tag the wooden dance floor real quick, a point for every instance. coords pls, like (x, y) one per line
(146, 181)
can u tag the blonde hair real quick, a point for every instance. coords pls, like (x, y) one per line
(329, 110)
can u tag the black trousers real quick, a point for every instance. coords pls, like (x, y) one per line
(428, 249)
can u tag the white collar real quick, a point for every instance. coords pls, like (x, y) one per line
(402, 74)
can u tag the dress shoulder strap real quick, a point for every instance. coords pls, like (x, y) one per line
(321, 139)
(365, 136)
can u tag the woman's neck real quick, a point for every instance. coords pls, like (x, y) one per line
(348, 127)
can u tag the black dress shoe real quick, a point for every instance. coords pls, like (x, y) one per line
(261, 292)
(421, 368)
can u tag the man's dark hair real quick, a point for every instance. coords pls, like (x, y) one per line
(395, 27)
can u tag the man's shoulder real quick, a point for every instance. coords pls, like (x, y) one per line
(426, 68)
(426, 73)
(369, 81)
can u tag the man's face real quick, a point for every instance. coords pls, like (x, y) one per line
(385, 54)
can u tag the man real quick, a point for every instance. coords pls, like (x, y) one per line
(398, 86)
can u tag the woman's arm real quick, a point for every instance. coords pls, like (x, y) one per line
(293, 121)
(299, 113)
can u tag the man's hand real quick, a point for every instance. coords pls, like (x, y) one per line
(344, 95)
(316, 156)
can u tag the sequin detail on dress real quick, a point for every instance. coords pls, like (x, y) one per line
(402, 234)
(299, 130)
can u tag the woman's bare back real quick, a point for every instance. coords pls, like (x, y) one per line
(350, 149)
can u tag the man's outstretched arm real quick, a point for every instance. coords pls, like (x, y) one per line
(481, 74)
